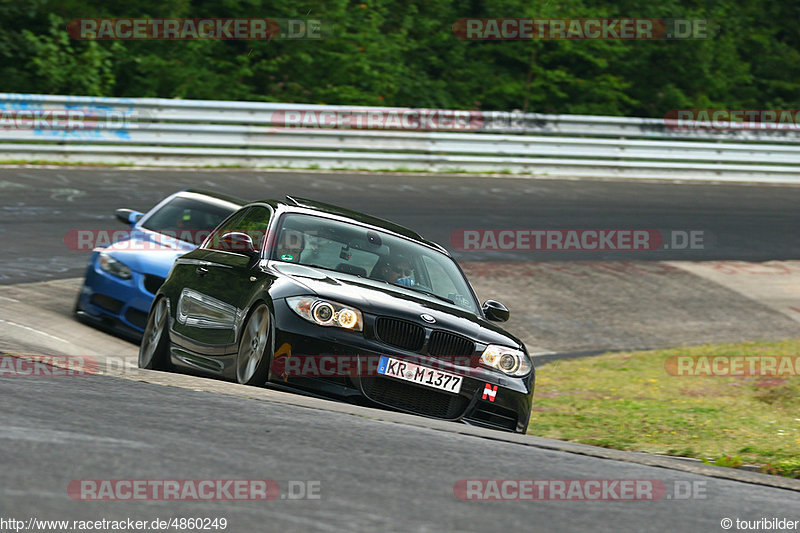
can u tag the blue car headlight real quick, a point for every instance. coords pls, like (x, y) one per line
(113, 266)
(509, 361)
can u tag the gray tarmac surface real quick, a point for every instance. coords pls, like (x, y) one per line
(373, 475)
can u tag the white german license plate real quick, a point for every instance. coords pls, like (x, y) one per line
(421, 375)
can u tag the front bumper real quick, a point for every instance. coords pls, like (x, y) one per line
(507, 409)
(114, 303)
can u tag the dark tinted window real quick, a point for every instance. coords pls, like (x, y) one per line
(253, 221)
(187, 219)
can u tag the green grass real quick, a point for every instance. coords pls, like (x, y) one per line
(628, 401)
(312, 166)
(61, 163)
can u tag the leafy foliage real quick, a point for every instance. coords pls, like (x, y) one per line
(387, 52)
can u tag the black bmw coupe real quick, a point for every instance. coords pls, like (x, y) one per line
(329, 300)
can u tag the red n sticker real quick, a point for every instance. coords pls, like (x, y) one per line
(489, 391)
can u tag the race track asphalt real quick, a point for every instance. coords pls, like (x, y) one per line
(741, 222)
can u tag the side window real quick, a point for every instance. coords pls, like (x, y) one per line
(253, 221)
(225, 227)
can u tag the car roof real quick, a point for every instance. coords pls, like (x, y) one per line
(211, 195)
(297, 204)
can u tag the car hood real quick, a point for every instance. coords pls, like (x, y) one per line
(379, 298)
(149, 252)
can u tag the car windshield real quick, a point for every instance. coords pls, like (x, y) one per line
(353, 249)
(187, 219)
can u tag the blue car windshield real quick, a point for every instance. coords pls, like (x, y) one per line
(367, 253)
(187, 219)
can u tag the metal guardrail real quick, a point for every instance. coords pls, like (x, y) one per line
(147, 131)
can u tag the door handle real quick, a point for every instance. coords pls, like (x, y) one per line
(201, 271)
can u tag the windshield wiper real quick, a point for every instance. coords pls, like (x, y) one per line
(423, 291)
(314, 265)
(414, 289)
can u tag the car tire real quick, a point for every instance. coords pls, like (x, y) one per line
(255, 347)
(154, 349)
(76, 309)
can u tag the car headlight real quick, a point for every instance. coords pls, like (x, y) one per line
(115, 267)
(507, 360)
(326, 312)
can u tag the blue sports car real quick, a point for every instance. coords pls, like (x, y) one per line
(122, 277)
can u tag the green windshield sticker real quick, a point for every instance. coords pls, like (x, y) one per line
(287, 257)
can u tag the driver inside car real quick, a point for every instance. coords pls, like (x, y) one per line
(397, 270)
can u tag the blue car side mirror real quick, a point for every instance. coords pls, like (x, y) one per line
(128, 216)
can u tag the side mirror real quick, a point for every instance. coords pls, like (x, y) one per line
(495, 311)
(236, 241)
(128, 216)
